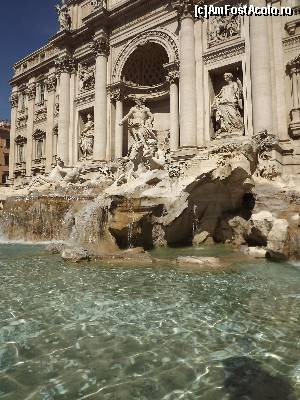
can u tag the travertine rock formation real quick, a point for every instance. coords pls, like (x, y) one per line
(156, 200)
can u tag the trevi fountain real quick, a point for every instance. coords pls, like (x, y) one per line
(150, 241)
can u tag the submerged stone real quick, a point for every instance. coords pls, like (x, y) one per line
(199, 261)
(75, 255)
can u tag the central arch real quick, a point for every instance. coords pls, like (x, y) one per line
(145, 66)
(160, 37)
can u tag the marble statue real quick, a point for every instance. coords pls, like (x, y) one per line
(59, 175)
(87, 138)
(140, 122)
(144, 156)
(226, 108)
(64, 17)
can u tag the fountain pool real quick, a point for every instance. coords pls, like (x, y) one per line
(91, 331)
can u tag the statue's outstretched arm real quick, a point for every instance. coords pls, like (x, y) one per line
(125, 118)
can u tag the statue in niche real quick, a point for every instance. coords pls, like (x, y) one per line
(140, 123)
(222, 28)
(227, 106)
(144, 155)
(87, 138)
(64, 17)
(87, 78)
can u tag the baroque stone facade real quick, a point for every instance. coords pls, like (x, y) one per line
(4, 151)
(203, 80)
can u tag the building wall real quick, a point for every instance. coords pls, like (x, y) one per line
(51, 101)
(4, 152)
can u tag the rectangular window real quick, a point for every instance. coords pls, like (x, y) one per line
(42, 92)
(4, 176)
(6, 159)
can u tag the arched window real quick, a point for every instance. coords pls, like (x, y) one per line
(40, 92)
(54, 142)
(20, 149)
(22, 101)
(39, 138)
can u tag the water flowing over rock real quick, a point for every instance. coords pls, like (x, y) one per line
(155, 198)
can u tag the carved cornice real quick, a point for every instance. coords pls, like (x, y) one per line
(51, 83)
(31, 91)
(100, 45)
(184, 8)
(291, 41)
(14, 99)
(65, 63)
(223, 53)
(85, 98)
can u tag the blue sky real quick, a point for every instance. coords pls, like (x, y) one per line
(25, 26)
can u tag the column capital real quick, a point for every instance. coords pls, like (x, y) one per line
(293, 66)
(65, 63)
(14, 98)
(51, 82)
(100, 45)
(172, 71)
(116, 92)
(31, 91)
(184, 8)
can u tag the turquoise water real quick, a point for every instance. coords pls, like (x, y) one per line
(145, 333)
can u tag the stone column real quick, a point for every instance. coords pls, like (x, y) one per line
(293, 69)
(31, 93)
(172, 78)
(279, 72)
(260, 72)
(73, 145)
(117, 96)
(51, 87)
(295, 93)
(187, 82)
(14, 99)
(64, 66)
(100, 47)
(201, 139)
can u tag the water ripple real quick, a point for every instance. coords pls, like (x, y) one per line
(95, 332)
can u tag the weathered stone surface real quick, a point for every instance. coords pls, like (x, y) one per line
(75, 254)
(159, 236)
(278, 240)
(261, 225)
(56, 248)
(240, 229)
(206, 262)
(135, 256)
(202, 237)
(256, 252)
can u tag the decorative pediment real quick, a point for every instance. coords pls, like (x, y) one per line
(20, 139)
(39, 135)
(294, 63)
